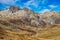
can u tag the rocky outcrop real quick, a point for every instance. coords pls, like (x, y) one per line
(14, 8)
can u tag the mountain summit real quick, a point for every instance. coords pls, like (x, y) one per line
(14, 8)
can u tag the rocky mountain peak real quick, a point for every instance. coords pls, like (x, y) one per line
(14, 8)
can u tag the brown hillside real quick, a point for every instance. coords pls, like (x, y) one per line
(24, 24)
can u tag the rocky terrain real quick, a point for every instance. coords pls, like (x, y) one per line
(25, 24)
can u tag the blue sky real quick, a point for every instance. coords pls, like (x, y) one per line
(35, 5)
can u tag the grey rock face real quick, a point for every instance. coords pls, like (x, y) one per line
(57, 21)
(34, 23)
(14, 9)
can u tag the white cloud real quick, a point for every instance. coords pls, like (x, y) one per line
(31, 2)
(53, 6)
(8, 1)
(34, 3)
(44, 10)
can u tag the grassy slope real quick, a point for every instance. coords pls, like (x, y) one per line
(11, 32)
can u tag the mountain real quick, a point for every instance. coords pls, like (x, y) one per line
(31, 18)
(25, 24)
